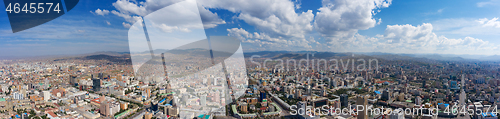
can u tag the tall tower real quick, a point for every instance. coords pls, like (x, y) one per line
(344, 100)
(309, 92)
(462, 92)
(462, 83)
(72, 80)
(298, 93)
(96, 85)
(104, 107)
(203, 100)
(167, 89)
(362, 101)
(301, 105)
(228, 80)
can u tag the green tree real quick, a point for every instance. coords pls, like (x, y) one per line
(44, 116)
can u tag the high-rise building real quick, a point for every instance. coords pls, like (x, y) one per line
(298, 93)
(111, 89)
(301, 107)
(320, 102)
(386, 95)
(172, 111)
(309, 90)
(18, 96)
(203, 99)
(216, 97)
(271, 109)
(418, 100)
(72, 80)
(46, 96)
(75, 100)
(148, 115)
(148, 92)
(462, 92)
(244, 107)
(174, 101)
(104, 107)
(362, 100)
(100, 76)
(96, 85)
(462, 82)
(480, 80)
(336, 104)
(401, 97)
(154, 106)
(113, 108)
(423, 84)
(478, 106)
(123, 105)
(215, 81)
(262, 96)
(72, 68)
(397, 114)
(165, 109)
(333, 83)
(344, 100)
(185, 99)
(46, 84)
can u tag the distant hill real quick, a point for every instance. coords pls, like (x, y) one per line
(193, 52)
(295, 55)
(124, 57)
(117, 59)
(111, 53)
(379, 55)
(491, 58)
(112, 57)
(440, 57)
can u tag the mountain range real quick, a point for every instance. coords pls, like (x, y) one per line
(125, 56)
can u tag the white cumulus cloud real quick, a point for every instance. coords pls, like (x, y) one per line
(341, 19)
(485, 22)
(266, 42)
(100, 12)
(275, 19)
(131, 11)
(421, 39)
(126, 25)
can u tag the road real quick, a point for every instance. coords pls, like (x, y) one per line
(139, 115)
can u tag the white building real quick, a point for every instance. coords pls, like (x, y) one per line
(418, 100)
(18, 96)
(397, 114)
(46, 96)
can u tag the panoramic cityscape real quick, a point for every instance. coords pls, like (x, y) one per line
(104, 86)
(250, 59)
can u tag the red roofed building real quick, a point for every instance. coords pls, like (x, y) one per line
(58, 92)
(52, 115)
(95, 102)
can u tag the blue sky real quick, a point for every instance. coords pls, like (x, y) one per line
(393, 26)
